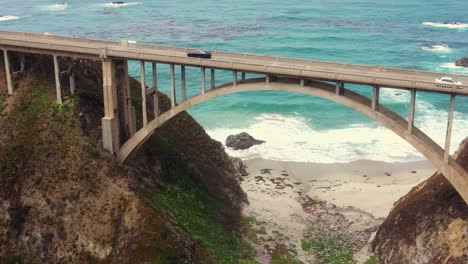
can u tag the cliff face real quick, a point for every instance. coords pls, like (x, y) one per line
(428, 225)
(63, 199)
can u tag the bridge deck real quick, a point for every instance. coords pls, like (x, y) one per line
(328, 71)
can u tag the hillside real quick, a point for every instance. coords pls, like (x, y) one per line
(63, 199)
(428, 225)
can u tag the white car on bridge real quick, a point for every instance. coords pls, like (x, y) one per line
(447, 80)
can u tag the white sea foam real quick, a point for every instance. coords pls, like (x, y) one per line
(455, 25)
(438, 48)
(56, 7)
(5, 18)
(291, 138)
(452, 65)
(121, 5)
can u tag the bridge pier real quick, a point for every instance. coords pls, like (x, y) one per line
(339, 88)
(58, 88)
(110, 130)
(71, 78)
(412, 110)
(375, 97)
(144, 113)
(234, 77)
(155, 87)
(183, 83)
(203, 80)
(173, 88)
(213, 84)
(8, 72)
(448, 135)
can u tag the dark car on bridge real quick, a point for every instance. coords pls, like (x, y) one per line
(199, 54)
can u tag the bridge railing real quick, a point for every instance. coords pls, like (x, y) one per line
(93, 47)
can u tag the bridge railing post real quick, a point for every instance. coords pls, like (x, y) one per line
(110, 130)
(8, 72)
(448, 135)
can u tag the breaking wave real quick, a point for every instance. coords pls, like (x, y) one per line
(446, 25)
(438, 48)
(5, 18)
(114, 4)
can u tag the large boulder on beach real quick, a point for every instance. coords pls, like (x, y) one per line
(462, 62)
(242, 141)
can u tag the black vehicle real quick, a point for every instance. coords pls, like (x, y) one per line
(199, 54)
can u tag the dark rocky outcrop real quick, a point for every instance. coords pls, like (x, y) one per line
(63, 199)
(463, 62)
(429, 225)
(242, 141)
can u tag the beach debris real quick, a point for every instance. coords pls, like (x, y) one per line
(242, 141)
(265, 171)
(413, 172)
(388, 174)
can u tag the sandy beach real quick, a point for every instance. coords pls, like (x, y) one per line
(351, 199)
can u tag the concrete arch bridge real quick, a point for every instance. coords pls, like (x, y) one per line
(314, 78)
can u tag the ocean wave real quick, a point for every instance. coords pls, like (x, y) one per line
(56, 7)
(438, 48)
(291, 138)
(114, 4)
(5, 18)
(451, 65)
(446, 25)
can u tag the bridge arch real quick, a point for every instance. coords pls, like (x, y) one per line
(452, 170)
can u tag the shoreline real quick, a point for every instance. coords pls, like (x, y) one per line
(350, 199)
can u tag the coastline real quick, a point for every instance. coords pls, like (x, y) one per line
(351, 199)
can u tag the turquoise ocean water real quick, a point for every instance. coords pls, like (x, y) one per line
(404, 34)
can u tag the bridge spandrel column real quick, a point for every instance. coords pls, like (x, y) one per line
(6, 58)
(448, 135)
(143, 93)
(213, 83)
(173, 92)
(110, 129)
(155, 86)
(339, 88)
(412, 111)
(375, 97)
(183, 83)
(58, 87)
(203, 81)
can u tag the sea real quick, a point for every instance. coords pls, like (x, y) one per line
(410, 34)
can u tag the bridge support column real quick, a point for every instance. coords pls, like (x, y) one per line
(110, 123)
(184, 83)
(213, 84)
(155, 87)
(58, 88)
(412, 111)
(339, 88)
(234, 77)
(267, 79)
(448, 135)
(301, 82)
(173, 92)
(72, 82)
(129, 110)
(243, 76)
(144, 113)
(203, 81)
(375, 97)
(8, 72)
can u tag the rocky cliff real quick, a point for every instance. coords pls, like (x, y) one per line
(63, 199)
(428, 225)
